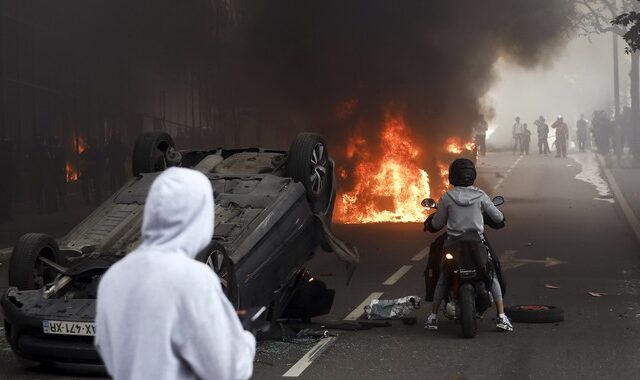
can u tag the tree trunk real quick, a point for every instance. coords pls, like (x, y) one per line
(635, 106)
(616, 79)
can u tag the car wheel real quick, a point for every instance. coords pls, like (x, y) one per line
(154, 152)
(215, 257)
(535, 313)
(26, 270)
(308, 163)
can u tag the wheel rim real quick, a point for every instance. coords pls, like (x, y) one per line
(42, 274)
(318, 168)
(215, 261)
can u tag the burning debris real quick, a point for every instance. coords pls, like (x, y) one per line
(388, 181)
(71, 168)
(387, 187)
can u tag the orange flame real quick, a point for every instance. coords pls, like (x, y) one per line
(454, 145)
(81, 145)
(72, 173)
(389, 188)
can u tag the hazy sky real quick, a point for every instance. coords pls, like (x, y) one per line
(579, 79)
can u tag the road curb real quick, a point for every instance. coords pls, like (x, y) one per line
(631, 217)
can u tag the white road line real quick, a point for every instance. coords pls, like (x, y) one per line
(359, 310)
(631, 217)
(421, 255)
(398, 275)
(501, 180)
(309, 357)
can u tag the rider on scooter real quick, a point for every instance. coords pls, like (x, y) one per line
(461, 209)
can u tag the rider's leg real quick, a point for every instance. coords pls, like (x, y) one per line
(496, 292)
(503, 322)
(438, 296)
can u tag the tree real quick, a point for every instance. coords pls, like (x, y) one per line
(599, 16)
(630, 21)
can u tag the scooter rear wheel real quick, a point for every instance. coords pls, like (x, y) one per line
(468, 311)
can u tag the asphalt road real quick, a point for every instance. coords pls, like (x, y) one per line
(551, 214)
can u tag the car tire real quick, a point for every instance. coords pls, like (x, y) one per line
(535, 313)
(215, 257)
(150, 151)
(308, 163)
(26, 272)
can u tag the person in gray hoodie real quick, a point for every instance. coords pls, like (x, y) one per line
(461, 210)
(160, 313)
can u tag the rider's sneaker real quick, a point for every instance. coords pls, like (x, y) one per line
(431, 323)
(503, 324)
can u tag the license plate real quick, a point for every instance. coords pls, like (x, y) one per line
(69, 328)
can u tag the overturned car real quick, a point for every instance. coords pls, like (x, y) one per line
(273, 210)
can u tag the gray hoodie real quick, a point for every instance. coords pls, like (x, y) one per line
(160, 313)
(461, 209)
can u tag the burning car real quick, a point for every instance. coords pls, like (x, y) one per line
(273, 209)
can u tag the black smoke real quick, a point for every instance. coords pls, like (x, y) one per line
(432, 59)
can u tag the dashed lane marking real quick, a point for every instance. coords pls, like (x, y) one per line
(398, 275)
(501, 180)
(359, 310)
(309, 357)
(421, 255)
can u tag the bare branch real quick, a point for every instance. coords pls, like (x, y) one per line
(596, 22)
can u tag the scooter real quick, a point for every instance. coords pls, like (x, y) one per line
(469, 266)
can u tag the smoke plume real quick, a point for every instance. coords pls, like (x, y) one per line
(343, 63)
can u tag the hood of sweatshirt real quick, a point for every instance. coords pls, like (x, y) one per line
(465, 196)
(178, 213)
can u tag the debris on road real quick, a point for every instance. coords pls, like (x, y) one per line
(499, 175)
(535, 313)
(549, 286)
(597, 294)
(392, 309)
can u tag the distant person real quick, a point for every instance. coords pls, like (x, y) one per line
(526, 138)
(582, 133)
(542, 128)
(562, 136)
(601, 131)
(480, 131)
(617, 138)
(8, 174)
(160, 313)
(517, 136)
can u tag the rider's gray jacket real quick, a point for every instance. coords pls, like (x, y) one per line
(461, 209)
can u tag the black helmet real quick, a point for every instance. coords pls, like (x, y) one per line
(462, 172)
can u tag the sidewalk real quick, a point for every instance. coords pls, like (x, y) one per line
(627, 180)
